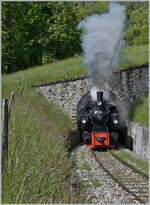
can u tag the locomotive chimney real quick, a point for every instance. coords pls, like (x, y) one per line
(99, 96)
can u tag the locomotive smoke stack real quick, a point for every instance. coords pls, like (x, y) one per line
(99, 96)
(94, 90)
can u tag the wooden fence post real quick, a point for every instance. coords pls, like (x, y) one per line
(4, 133)
(10, 103)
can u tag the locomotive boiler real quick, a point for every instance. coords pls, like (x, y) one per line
(98, 124)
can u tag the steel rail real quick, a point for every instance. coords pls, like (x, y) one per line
(138, 198)
(128, 165)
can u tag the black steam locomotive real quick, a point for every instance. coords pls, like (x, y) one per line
(98, 123)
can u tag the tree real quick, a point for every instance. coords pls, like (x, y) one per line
(38, 32)
(136, 32)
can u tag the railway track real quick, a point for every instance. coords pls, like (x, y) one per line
(129, 165)
(131, 180)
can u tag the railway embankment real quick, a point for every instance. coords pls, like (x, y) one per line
(100, 187)
(105, 179)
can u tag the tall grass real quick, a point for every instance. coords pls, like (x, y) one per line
(39, 168)
(134, 56)
(139, 111)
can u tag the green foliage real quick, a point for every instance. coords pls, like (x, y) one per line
(34, 33)
(85, 9)
(22, 32)
(139, 111)
(62, 31)
(136, 32)
(38, 32)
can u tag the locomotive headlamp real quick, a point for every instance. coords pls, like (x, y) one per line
(115, 121)
(96, 111)
(83, 121)
(99, 103)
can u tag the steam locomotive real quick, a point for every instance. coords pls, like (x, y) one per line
(98, 124)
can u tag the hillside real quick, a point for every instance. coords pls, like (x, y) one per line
(132, 56)
(48, 72)
(38, 133)
(36, 136)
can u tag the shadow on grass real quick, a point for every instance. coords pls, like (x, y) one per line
(73, 140)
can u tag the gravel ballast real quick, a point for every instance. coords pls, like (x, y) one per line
(97, 186)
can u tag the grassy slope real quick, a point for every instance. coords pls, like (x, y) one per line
(134, 56)
(139, 111)
(38, 169)
(47, 72)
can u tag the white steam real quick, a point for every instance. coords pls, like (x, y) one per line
(101, 33)
(94, 90)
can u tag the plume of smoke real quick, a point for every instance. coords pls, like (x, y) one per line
(101, 33)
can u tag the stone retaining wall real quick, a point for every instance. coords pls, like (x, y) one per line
(66, 94)
(131, 83)
(140, 137)
(127, 84)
